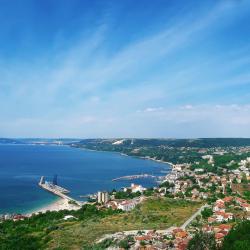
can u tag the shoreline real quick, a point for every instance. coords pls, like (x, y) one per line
(170, 164)
(60, 204)
(123, 154)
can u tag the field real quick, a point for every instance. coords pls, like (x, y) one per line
(152, 214)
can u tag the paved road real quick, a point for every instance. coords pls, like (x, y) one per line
(193, 217)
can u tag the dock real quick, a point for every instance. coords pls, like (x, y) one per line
(57, 190)
(132, 177)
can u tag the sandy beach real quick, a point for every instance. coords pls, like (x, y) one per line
(58, 205)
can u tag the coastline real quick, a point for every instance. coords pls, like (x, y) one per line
(123, 154)
(60, 204)
(153, 159)
(170, 164)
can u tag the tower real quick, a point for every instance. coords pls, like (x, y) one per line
(42, 180)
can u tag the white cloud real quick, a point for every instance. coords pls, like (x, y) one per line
(65, 94)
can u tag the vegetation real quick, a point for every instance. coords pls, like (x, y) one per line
(152, 214)
(126, 195)
(50, 231)
(238, 238)
(34, 232)
(175, 150)
(206, 212)
(202, 241)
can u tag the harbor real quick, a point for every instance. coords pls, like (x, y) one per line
(52, 187)
(133, 177)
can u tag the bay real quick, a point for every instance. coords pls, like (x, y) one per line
(80, 171)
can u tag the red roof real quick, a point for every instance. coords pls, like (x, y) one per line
(143, 237)
(176, 230)
(182, 245)
(245, 205)
(223, 214)
(219, 204)
(225, 227)
(211, 219)
(240, 200)
(219, 236)
(228, 199)
(182, 234)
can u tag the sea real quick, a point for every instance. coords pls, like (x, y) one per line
(80, 171)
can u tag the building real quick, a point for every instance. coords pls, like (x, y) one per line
(127, 205)
(102, 197)
(137, 188)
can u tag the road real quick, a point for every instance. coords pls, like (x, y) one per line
(193, 217)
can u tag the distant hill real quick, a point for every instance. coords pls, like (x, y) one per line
(10, 141)
(133, 143)
(39, 141)
(198, 143)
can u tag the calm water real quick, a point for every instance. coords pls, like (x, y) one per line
(81, 171)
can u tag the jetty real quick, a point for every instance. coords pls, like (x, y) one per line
(57, 190)
(132, 177)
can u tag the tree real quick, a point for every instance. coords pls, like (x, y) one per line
(202, 241)
(124, 244)
(206, 212)
(238, 238)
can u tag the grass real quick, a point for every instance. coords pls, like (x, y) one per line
(155, 213)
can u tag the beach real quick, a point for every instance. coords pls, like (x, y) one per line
(60, 204)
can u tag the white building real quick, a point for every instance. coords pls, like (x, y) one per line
(135, 188)
(102, 197)
(127, 205)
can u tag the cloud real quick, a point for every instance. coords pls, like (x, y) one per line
(200, 121)
(88, 89)
(151, 109)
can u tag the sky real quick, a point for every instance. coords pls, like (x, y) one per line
(108, 68)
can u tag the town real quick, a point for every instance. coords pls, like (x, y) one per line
(216, 183)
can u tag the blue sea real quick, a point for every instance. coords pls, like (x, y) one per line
(80, 171)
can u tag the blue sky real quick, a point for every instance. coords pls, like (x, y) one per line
(162, 68)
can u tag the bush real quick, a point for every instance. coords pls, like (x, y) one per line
(124, 244)
(202, 241)
(206, 212)
(238, 238)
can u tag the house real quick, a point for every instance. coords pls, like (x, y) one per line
(135, 188)
(228, 199)
(245, 207)
(211, 220)
(219, 237)
(69, 217)
(112, 204)
(143, 238)
(127, 205)
(182, 245)
(182, 234)
(222, 216)
(219, 206)
(208, 229)
(18, 217)
(240, 201)
(225, 227)
(179, 233)
(195, 193)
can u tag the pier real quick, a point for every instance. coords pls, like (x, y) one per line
(57, 190)
(132, 177)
